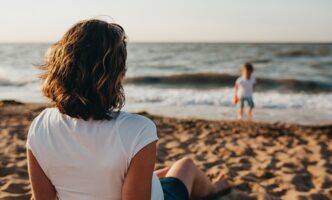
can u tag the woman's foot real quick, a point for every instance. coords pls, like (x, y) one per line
(221, 184)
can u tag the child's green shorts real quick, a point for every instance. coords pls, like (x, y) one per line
(249, 101)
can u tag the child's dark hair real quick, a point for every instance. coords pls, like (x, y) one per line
(248, 66)
(83, 71)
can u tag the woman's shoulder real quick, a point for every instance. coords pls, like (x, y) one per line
(135, 131)
(47, 111)
(42, 115)
(37, 128)
(39, 122)
(130, 119)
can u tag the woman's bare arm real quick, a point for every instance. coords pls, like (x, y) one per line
(42, 187)
(137, 184)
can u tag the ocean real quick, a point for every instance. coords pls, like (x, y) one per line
(294, 81)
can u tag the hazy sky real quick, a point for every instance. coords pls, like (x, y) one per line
(173, 20)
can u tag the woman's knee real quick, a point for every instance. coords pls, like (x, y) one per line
(186, 163)
(184, 167)
(185, 170)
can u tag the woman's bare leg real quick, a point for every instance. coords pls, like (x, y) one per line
(162, 172)
(197, 183)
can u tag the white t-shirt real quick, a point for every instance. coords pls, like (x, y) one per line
(245, 86)
(88, 160)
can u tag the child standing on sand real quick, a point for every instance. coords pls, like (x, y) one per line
(244, 87)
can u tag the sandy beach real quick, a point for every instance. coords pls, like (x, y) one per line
(262, 160)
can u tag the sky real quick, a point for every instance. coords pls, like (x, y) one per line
(173, 20)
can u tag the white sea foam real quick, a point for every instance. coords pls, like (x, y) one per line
(223, 97)
(217, 104)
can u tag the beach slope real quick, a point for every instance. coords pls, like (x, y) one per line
(262, 160)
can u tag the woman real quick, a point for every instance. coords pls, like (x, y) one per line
(84, 147)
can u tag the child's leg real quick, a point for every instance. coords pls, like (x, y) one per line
(250, 112)
(251, 107)
(240, 113)
(241, 108)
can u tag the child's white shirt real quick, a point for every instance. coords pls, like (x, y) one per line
(245, 86)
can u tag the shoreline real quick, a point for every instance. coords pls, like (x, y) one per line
(225, 113)
(11, 102)
(262, 160)
(228, 114)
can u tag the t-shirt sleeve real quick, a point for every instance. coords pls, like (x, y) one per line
(31, 138)
(35, 141)
(238, 80)
(136, 132)
(147, 135)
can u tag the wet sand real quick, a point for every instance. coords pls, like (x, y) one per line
(262, 160)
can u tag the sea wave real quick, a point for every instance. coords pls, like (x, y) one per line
(215, 80)
(222, 97)
(310, 52)
(8, 83)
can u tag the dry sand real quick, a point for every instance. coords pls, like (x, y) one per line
(263, 161)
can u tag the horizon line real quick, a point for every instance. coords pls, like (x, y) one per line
(189, 42)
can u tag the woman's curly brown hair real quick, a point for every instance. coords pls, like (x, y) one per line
(83, 71)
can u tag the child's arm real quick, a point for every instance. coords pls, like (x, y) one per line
(235, 98)
(236, 88)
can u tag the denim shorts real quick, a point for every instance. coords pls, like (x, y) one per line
(249, 101)
(174, 189)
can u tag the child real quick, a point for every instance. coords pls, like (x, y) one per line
(244, 87)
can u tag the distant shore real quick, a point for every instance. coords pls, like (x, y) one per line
(262, 160)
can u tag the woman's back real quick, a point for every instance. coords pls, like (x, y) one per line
(89, 159)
